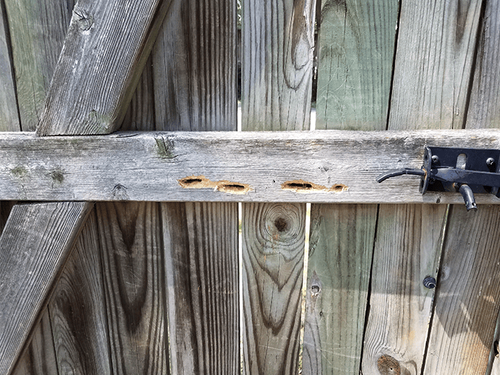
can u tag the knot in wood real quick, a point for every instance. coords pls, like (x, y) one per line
(281, 224)
(388, 365)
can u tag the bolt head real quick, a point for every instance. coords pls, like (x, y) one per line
(490, 162)
(429, 282)
(435, 158)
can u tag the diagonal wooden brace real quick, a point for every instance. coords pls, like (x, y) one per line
(35, 243)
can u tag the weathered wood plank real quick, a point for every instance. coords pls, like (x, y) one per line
(484, 108)
(77, 309)
(194, 63)
(195, 89)
(277, 62)
(273, 254)
(467, 300)
(37, 30)
(341, 248)
(39, 357)
(9, 115)
(201, 268)
(105, 36)
(35, 243)
(148, 166)
(141, 110)
(432, 72)
(355, 53)
(407, 250)
(433, 68)
(130, 238)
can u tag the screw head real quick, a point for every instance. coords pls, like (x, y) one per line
(490, 162)
(429, 282)
(435, 158)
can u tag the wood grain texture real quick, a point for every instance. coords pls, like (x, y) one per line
(273, 255)
(194, 62)
(277, 62)
(34, 245)
(77, 309)
(202, 281)
(467, 301)
(9, 115)
(37, 30)
(140, 114)
(484, 108)
(39, 357)
(340, 258)
(355, 52)
(407, 250)
(194, 65)
(332, 165)
(431, 77)
(467, 304)
(107, 37)
(433, 68)
(130, 239)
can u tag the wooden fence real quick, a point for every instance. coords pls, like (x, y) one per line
(169, 287)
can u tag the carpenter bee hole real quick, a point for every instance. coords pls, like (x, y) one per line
(232, 188)
(193, 182)
(338, 188)
(296, 185)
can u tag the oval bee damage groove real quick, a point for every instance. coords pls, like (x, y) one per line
(201, 182)
(305, 187)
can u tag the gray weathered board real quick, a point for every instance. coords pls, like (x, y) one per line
(331, 166)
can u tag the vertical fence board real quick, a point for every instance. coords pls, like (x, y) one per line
(276, 89)
(201, 241)
(468, 300)
(39, 357)
(355, 52)
(37, 30)
(9, 116)
(435, 53)
(194, 67)
(277, 62)
(130, 237)
(141, 112)
(340, 260)
(484, 107)
(77, 309)
(407, 250)
(273, 254)
(432, 72)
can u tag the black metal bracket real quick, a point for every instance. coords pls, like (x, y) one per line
(464, 170)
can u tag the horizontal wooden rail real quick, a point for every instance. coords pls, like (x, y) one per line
(319, 166)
